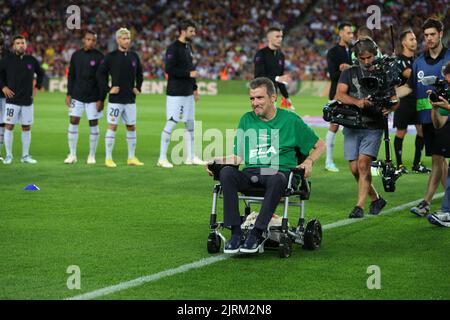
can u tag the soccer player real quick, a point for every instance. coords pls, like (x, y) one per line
(437, 141)
(3, 53)
(269, 62)
(181, 93)
(124, 67)
(407, 114)
(339, 59)
(83, 95)
(16, 81)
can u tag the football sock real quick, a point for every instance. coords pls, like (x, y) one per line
(110, 137)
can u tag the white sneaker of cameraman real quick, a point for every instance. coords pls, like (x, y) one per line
(195, 161)
(440, 218)
(164, 164)
(28, 159)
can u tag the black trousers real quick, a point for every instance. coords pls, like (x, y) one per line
(234, 181)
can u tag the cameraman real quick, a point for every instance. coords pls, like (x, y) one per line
(440, 116)
(437, 141)
(361, 145)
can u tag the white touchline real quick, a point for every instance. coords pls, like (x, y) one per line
(207, 261)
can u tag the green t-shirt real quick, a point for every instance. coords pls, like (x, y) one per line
(273, 144)
(444, 112)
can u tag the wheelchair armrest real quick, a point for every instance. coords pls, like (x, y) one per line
(304, 186)
(215, 168)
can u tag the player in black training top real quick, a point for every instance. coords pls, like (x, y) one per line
(182, 94)
(3, 53)
(124, 67)
(17, 83)
(407, 112)
(83, 95)
(269, 63)
(339, 58)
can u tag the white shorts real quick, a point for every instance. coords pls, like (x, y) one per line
(180, 108)
(14, 114)
(2, 108)
(126, 111)
(77, 108)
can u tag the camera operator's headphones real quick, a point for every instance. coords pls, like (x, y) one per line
(372, 47)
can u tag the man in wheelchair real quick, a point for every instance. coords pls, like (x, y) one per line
(267, 142)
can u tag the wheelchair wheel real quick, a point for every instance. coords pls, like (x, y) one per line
(313, 235)
(285, 247)
(214, 242)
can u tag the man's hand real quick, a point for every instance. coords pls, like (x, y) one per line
(100, 105)
(68, 101)
(114, 90)
(136, 91)
(196, 95)
(363, 103)
(193, 74)
(307, 166)
(444, 104)
(343, 66)
(8, 92)
(207, 169)
(441, 104)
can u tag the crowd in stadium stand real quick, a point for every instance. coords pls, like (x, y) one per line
(229, 34)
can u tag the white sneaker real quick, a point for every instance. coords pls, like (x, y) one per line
(28, 159)
(8, 160)
(70, 159)
(440, 219)
(164, 163)
(91, 160)
(196, 161)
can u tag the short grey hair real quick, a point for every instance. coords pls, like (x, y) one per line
(263, 82)
(122, 31)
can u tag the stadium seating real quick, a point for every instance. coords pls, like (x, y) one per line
(229, 32)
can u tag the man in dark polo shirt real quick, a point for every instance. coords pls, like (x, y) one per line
(339, 59)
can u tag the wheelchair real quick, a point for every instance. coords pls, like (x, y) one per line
(280, 237)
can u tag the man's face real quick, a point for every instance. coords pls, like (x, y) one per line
(124, 41)
(410, 42)
(346, 35)
(432, 37)
(89, 41)
(19, 46)
(275, 38)
(447, 78)
(366, 58)
(189, 33)
(261, 102)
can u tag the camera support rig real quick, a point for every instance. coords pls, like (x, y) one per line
(389, 173)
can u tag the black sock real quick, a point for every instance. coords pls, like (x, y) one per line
(419, 148)
(236, 230)
(398, 146)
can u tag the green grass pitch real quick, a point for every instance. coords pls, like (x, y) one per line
(121, 224)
